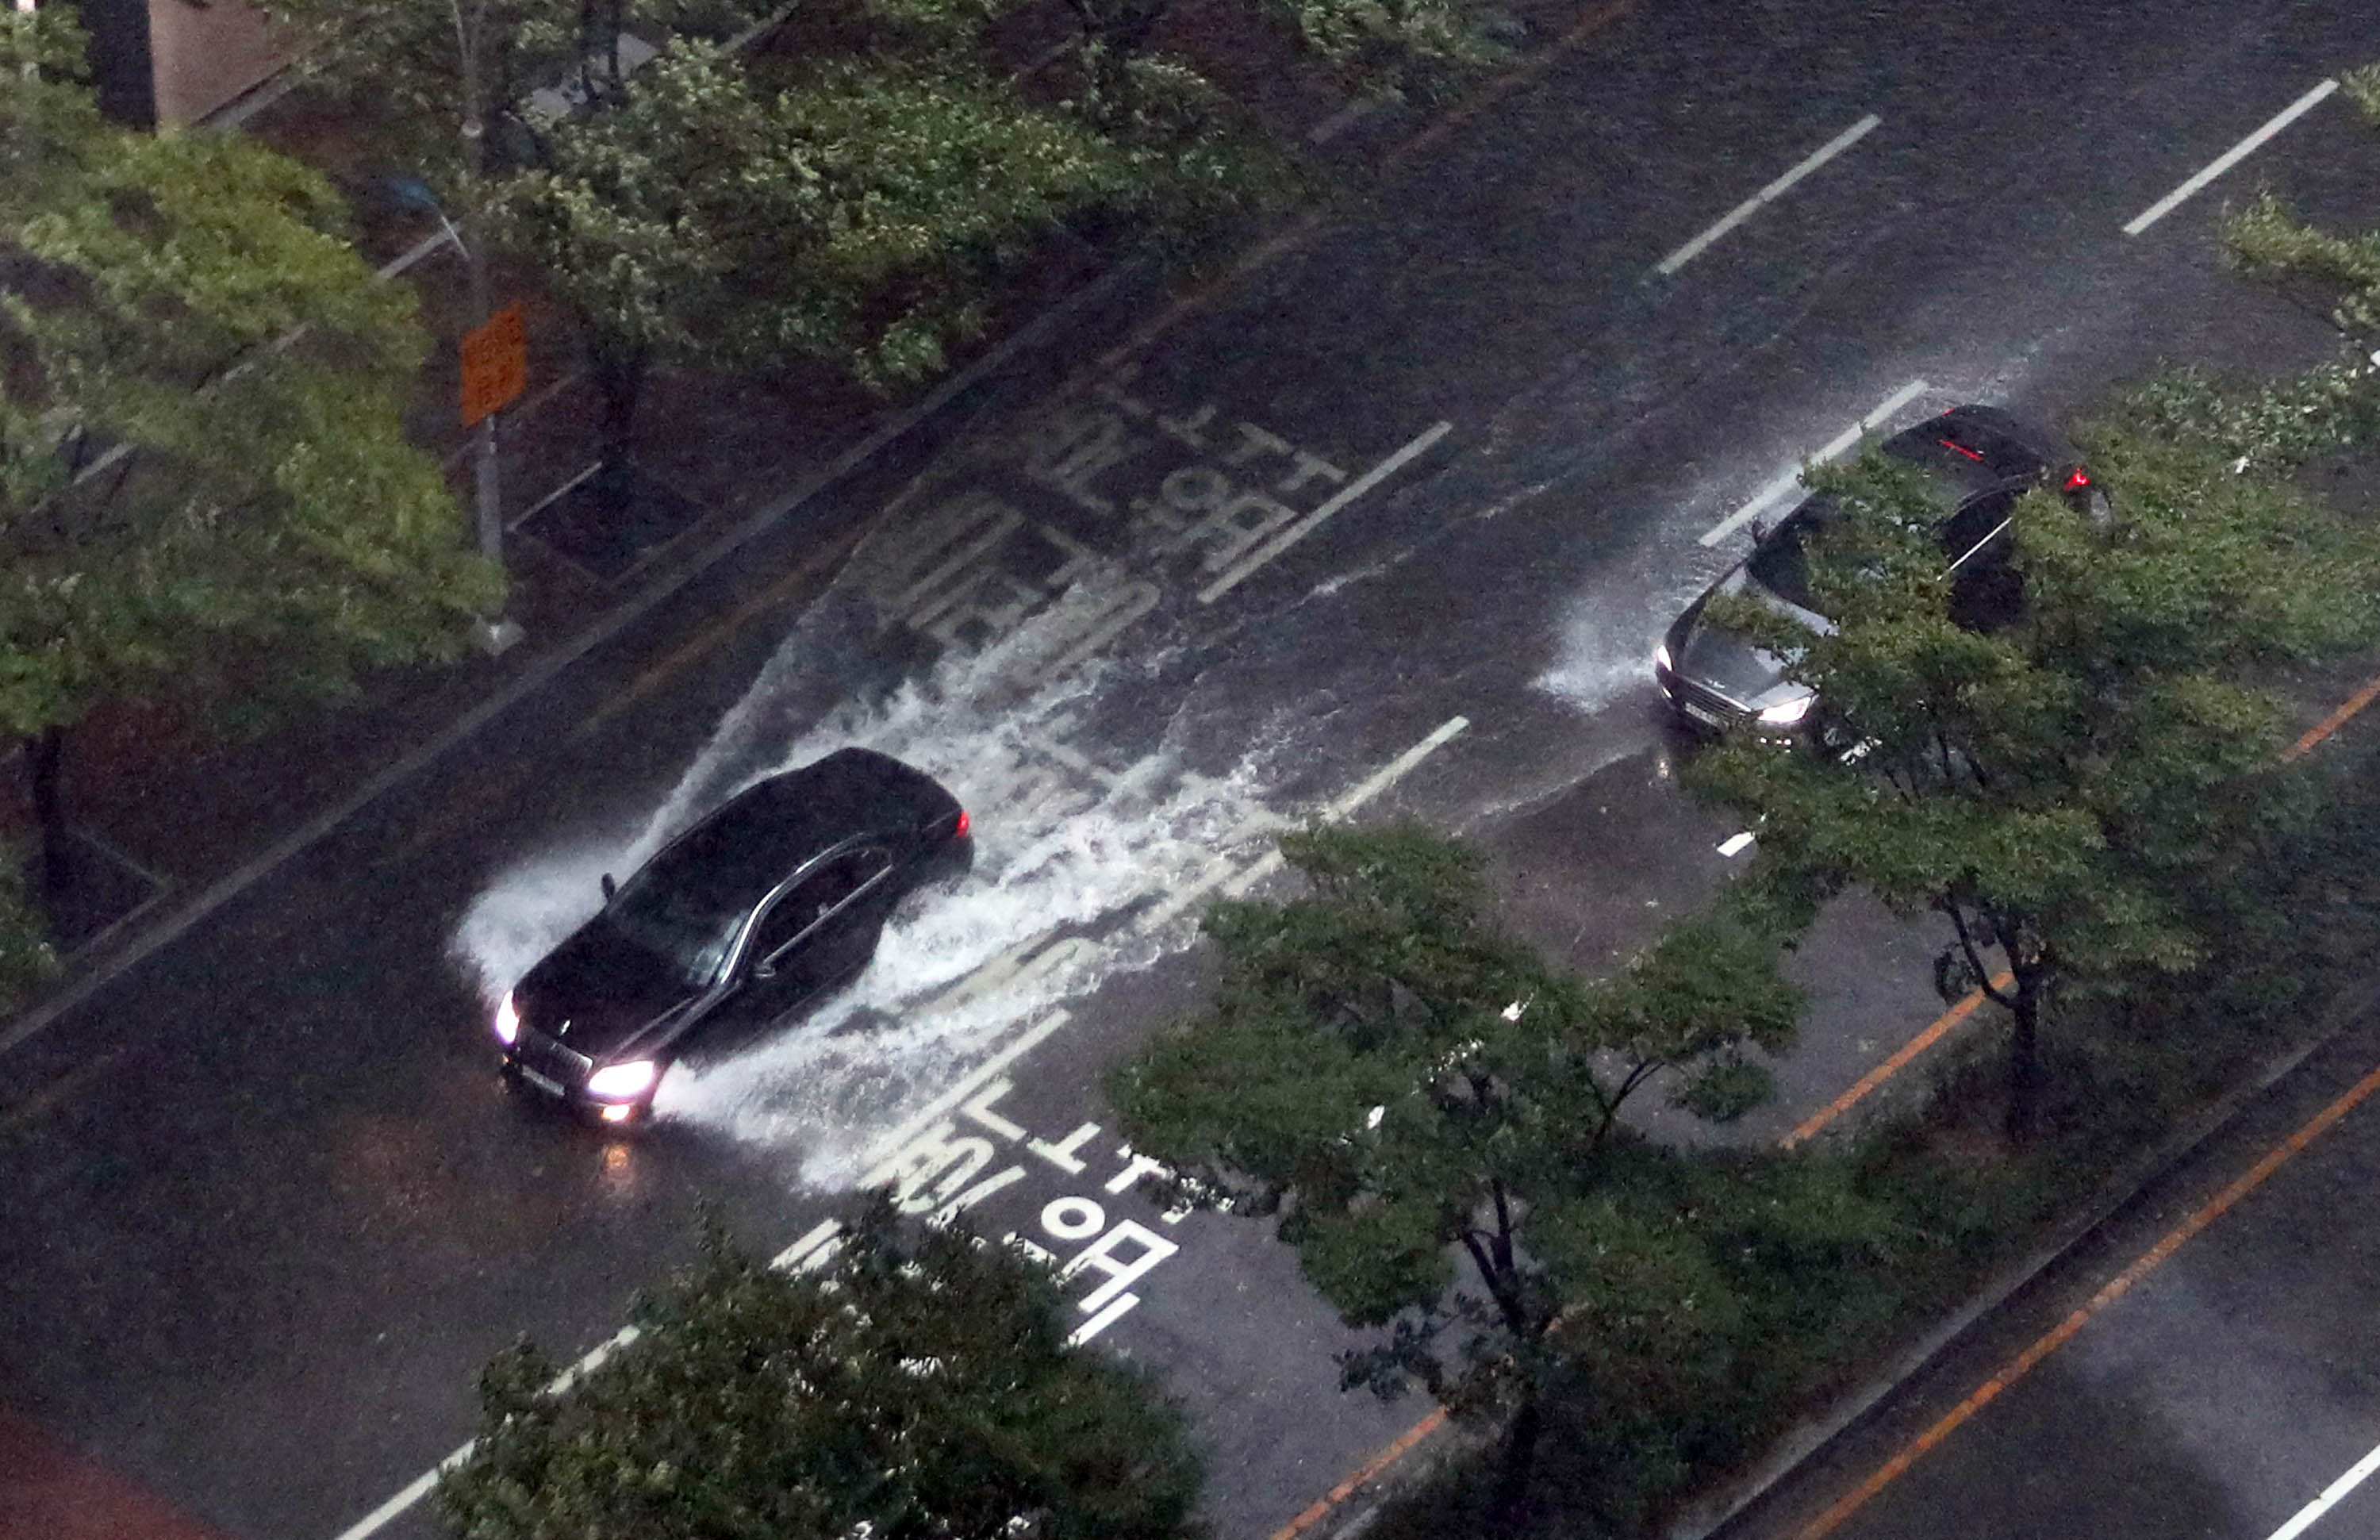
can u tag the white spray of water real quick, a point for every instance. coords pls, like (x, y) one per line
(1605, 651)
(1062, 844)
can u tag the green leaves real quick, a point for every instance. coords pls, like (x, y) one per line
(918, 1385)
(2064, 785)
(189, 304)
(2266, 241)
(1402, 1084)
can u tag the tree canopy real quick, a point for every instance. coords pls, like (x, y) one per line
(2057, 785)
(916, 1387)
(1404, 1087)
(205, 485)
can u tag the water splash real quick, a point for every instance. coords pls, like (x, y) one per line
(1068, 840)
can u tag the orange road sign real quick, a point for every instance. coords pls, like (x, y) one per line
(495, 364)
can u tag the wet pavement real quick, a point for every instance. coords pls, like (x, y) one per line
(1388, 528)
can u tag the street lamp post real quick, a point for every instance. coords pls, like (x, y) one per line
(496, 633)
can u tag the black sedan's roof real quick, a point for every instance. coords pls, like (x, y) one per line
(1971, 449)
(731, 859)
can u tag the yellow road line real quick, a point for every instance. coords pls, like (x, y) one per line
(1892, 1066)
(1867, 1083)
(2336, 719)
(2113, 1290)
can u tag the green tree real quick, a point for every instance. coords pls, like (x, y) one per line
(859, 218)
(2073, 791)
(2338, 271)
(860, 205)
(918, 1385)
(205, 485)
(1404, 1088)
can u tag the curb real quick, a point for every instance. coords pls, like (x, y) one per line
(545, 667)
(1854, 1410)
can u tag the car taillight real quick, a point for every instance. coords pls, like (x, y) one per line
(959, 831)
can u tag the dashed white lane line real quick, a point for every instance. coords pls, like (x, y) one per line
(812, 1245)
(1779, 490)
(1736, 844)
(2330, 1498)
(2230, 157)
(1769, 194)
(1307, 524)
(1220, 875)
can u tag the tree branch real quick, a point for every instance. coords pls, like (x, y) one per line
(1951, 907)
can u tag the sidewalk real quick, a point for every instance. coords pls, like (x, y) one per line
(160, 811)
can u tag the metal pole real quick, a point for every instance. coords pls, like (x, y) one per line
(495, 632)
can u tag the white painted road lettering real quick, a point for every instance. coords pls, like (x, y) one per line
(1128, 486)
(1062, 1154)
(928, 1153)
(1073, 1218)
(1120, 1274)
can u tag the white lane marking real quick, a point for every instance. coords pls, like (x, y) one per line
(791, 1256)
(1735, 845)
(817, 1235)
(881, 1156)
(1779, 490)
(413, 1493)
(2230, 157)
(1769, 194)
(1220, 874)
(1307, 524)
(547, 667)
(1397, 769)
(2329, 1499)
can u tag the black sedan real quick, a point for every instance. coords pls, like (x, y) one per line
(775, 898)
(1978, 459)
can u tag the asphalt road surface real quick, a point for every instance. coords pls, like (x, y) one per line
(1389, 527)
(2220, 1395)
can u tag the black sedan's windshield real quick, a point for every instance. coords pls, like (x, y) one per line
(1781, 566)
(685, 927)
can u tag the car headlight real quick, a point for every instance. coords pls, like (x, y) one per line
(1785, 713)
(1661, 656)
(620, 1081)
(507, 1020)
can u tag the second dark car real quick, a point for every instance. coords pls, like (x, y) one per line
(774, 899)
(1978, 459)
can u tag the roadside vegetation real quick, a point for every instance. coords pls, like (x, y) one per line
(866, 188)
(211, 502)
(206, 491)
(2157, 892)
(917, 1385)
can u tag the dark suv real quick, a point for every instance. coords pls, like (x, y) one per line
(1978, 459)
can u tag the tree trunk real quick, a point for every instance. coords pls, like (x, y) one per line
(619, 374)
(45, 759)
(1519, 1459)
(2025, 1058)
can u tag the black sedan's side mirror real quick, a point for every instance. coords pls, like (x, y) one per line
(610, 886)
(1759, 531)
